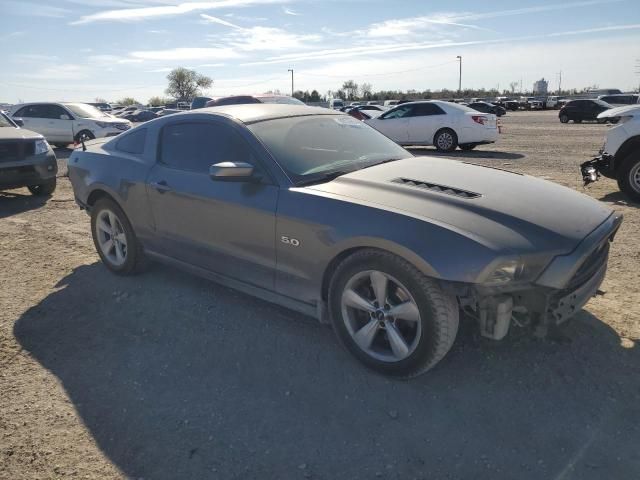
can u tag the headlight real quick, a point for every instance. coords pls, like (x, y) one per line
(41, 146)
(104, 124)
(516, 270)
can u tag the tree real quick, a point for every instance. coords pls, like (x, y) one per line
(365, 90)
(157, 101)
(185, 84)
(315, 96)
(513, 86)
(351, 89)
(126, 101)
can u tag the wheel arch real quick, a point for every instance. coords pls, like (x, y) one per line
(435, 135)
(630, 145)
(99, 192)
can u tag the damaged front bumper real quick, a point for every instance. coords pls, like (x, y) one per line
(592, 169)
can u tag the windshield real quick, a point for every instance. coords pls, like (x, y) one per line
(5, 122)
(287, 100)
(603, 104)
(83, 110)
(314, 146)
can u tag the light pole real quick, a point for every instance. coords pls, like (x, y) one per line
(291, 70)
(459, 57)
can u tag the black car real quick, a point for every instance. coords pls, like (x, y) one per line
(26, 159)
(486, 107)
(140, 116)
(585, 109)
(200, 102)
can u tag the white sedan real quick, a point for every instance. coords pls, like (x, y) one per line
(445, 125)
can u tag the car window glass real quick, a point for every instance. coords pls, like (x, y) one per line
(133, 142)
(23, 112)
(426, 109)
(197, 146)
(54, 111)
(399, 112)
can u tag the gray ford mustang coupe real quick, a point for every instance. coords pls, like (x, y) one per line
(315, 210)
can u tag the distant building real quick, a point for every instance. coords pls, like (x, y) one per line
(540, 87)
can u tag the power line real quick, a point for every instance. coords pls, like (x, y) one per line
(380, 74)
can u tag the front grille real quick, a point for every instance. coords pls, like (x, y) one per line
(16, 150)
(434, 187)
(590, 266)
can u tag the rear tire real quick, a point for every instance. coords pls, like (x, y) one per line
(123, 255)
(467, 147)
(84, 135)
(427, 324)
(445, 140)
(564, 119)
(629, 177)
(45, 189)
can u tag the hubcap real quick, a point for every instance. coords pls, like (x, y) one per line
(381, 316)
(634, 177)
(111, 237)
(445, 140)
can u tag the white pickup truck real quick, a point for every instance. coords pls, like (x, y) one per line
(620, 156)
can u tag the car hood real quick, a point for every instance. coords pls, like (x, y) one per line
(10, 133)
(620, 111)
(500, 209)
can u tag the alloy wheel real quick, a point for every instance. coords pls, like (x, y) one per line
(445, 141)
(111, 237)
(381, 316)
(634, 177)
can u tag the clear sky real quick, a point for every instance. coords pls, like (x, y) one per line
(83, 49)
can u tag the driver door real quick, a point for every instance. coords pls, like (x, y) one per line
(394, 124)
(227, 227)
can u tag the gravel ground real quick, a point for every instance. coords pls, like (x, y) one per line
(166, 376)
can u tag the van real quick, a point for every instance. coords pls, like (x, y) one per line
(336, 103)
(390, 103)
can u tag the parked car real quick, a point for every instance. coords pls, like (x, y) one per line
(364, 114)
(242, 99)
(140, 116)
(167, 111)
(625, 99)
(584, 109)
(125, 110)
(531, 103)
(551, 102)
(619, 158)
(486, 107)
(26, 159)
(103, 107)
(200, 102)
(336, 103)
(445, 125)
(65, 123)
(314, 210)
(370, 107)
(390, 103)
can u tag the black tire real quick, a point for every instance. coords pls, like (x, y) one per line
(61, 145)
(629, 176)
(84, 134)
(134, 258)
(564, 118)
(45, 189)
(601, 120)
(439, 313)
(445, 140)
(467, 146)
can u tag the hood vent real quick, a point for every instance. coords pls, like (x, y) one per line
(434, 187)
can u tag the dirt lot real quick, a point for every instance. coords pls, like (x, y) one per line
(166, 376)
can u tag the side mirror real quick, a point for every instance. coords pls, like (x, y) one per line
(19, 122)
(231, 171)
(64, 117)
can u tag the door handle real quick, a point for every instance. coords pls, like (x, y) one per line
(161, 186)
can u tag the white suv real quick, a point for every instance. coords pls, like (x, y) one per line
(620, 156)
(65, 123)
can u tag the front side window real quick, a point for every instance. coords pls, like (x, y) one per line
(84, 110)
(197, 146)
(399, 112)
(312, 146)
(426, 109)
(54, 112)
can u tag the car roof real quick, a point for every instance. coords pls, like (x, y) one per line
(258, 112)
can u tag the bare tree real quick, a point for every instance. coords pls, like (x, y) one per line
(351, 89)
(513, 86)
(365, 90)
(186, 84)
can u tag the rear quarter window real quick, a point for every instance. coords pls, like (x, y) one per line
(133, 142)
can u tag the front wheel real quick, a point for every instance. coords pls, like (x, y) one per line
(390, 316)
(446, 140)
(629, 177)
(84, 136)
(114, 238)
(564, 119)
(43, 189)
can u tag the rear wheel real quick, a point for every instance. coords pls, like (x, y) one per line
(114, 238)
(564, 118)
(445, 140)
(43, 189)
(84, 136)
(468, 146)
(389, 315)
(629, 177)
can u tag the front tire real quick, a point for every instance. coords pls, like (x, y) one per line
(629, 177)
(45, 189)
(84, 135)
(445, 140)
(114, 238)
(564, 119)
(390, 316)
